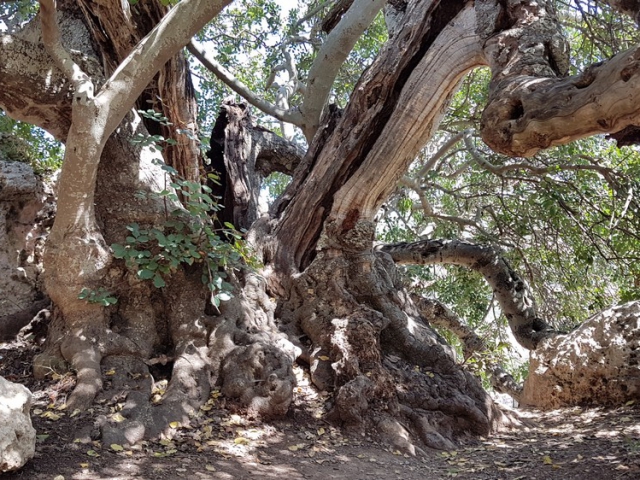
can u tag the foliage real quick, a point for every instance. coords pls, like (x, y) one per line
(567, 218)
(100, 296)
(189, 236)
(21, 142)
(262, 38)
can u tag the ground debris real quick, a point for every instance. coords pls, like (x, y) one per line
(571, 443)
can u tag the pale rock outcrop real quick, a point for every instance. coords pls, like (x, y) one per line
(596, 364)
(26, 211)
(17, 435)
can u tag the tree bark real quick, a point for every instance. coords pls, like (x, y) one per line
(324, 295)
(532, 104)
(396, 105)
(511, 291)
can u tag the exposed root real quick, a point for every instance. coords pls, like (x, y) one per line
(261, 377)
(85, 358)
(251, 359)
(396, 435)
(390, 371)
(10, 325)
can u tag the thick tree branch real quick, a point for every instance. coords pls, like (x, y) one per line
(395, 108)
(82, 84)
(439, 315)
(334, 51)
(511, 291)
(531, 106)
(284, 115)
(174, 31)
(275, 154)
(420, 108)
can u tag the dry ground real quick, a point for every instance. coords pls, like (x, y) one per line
(573, 443)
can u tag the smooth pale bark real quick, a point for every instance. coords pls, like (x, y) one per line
(332, 54)
(77, 256)
(350, 25)
(284, 115)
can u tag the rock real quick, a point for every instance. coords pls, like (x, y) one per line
(27, 209)
(596, 364)
(16, 180)
(17, 435)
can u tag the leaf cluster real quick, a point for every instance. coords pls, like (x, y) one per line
(189, 236)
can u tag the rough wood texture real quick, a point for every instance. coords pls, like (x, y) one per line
(391, 113)
(511, 291)
(532, 105)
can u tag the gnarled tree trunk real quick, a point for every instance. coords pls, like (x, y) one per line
(324, 296)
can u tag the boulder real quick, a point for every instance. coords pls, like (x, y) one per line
(17, 435)
(596, 364)
(27, 210)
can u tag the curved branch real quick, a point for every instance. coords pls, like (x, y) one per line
(289, 116)
(438, 314)
(531, 106)
(442, 151)
(511, 291)
(82, 84)
(275, 154)
(396, 106)
(172, 33)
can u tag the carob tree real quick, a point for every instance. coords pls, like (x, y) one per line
(323, 295)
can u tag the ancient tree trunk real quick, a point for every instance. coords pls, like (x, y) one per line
(365, 339)
(86, 335)
(324, 297)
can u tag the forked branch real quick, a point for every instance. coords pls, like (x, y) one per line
(82, 84)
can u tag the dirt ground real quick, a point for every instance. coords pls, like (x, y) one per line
(564, 444)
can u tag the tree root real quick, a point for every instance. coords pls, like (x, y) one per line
(389, 371)
(10, 325)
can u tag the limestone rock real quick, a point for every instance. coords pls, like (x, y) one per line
(596, 364)
(27, 209)
(17, 435)
(16, 179)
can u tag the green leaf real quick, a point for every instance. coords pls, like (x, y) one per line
(145, 274)
(118, 250)
(158, 281)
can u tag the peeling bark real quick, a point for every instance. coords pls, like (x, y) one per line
(395, 107)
